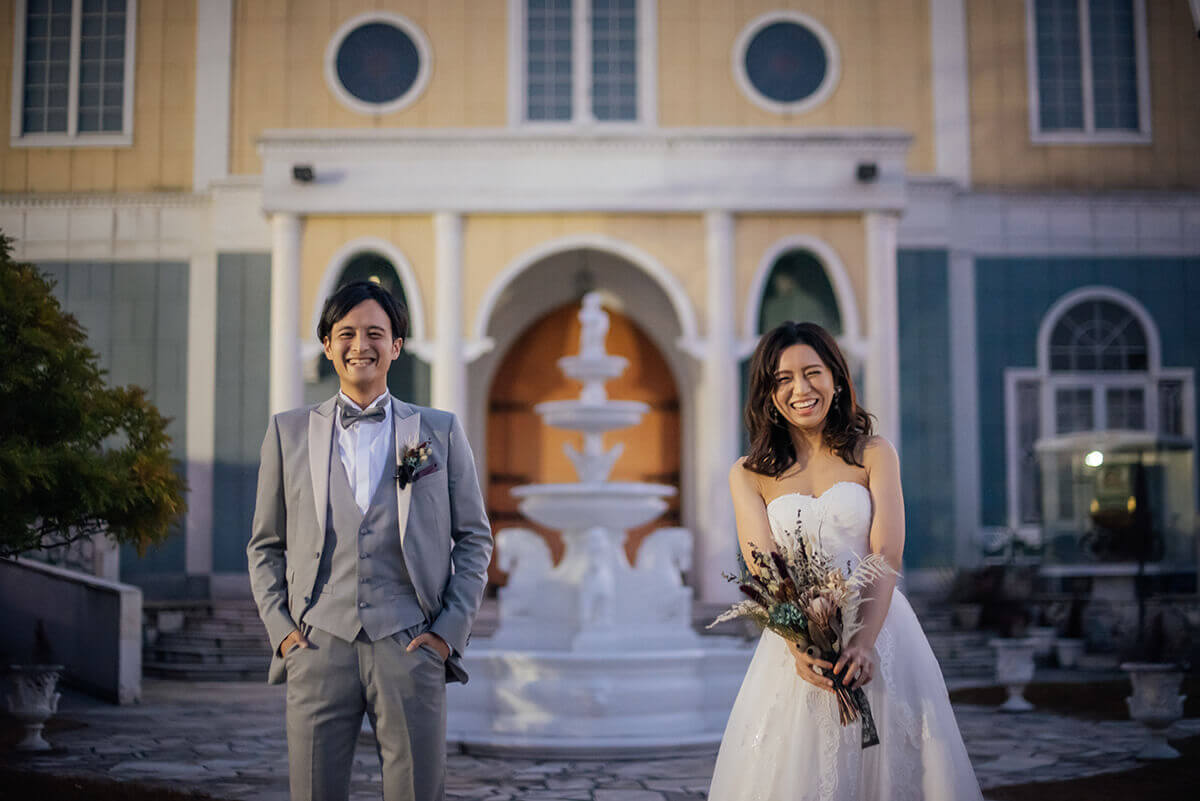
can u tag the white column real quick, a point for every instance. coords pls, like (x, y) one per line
(449, 368)
(964, 396)
(287, 383)
(214, 70)
(951, 106)
(201, 415)
(718, 425)
(883, 338)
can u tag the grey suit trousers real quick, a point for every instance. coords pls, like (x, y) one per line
(332, 683)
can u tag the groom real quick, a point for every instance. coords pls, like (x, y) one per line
(368, 561)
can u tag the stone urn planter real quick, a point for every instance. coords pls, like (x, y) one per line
(32, 699)
(1014, 670)
(1043, 642)
(1067, 651)
(1156, 703)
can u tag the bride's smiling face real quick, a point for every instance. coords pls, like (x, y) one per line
(804, 388)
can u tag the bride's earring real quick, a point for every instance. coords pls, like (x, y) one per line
(775, 415)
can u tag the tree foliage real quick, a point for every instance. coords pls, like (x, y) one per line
(77, 457)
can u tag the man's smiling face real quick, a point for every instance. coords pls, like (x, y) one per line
(362, 348)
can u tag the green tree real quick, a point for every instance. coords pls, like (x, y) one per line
(77, 457)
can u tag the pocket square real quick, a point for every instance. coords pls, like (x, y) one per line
(433, 468)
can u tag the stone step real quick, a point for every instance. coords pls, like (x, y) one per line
(231, 639)
(225, 626)
(207, 655)
(204, 672)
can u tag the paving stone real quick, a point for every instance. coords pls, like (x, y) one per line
(628, 795)
(227, 740)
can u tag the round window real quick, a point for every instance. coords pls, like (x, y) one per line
(377, 63)
(786, 62)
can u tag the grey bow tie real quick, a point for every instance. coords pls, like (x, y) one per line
(350, 415)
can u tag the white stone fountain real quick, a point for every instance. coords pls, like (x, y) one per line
(594, 656)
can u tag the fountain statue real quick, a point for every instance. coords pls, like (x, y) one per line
(595, 656)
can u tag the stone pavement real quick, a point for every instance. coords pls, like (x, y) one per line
(226, 740)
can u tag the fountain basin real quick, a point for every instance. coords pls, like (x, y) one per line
(592, 418)
(618, 505)
(621, 703)
(589, 368)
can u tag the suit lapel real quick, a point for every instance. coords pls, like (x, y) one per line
(408, 434)
(320, 444)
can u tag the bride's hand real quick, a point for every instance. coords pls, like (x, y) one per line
(807, 668)
(858, 664)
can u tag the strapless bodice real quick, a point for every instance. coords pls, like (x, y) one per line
(838, 520)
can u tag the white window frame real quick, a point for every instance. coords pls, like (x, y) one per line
(424, 67)
(833, 71)
(1099, 382)
(1089, 135)
(581, 70)
(71, 137)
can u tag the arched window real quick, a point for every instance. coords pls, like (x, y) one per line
(798, 289)
(1098, 370)
(408, 378)
(1098, 335)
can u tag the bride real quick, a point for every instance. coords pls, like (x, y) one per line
(815, 466)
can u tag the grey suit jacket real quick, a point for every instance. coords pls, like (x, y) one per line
(444, 531)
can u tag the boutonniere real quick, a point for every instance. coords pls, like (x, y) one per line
(414, 463)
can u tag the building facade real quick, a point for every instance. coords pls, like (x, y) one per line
(994, 204)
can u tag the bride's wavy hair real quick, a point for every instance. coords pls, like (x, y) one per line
(848, 426)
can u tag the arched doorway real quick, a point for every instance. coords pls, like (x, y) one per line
(798, 288)
(408, 378)
(522, 450)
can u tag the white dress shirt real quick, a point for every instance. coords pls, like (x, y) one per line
(366, 449)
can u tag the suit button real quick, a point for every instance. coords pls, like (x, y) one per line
(364, 531)
(363, 604)
(316, 554)
(364, 555)
(363, 580)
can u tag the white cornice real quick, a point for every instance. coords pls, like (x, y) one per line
(507, 170)
(1015, 223)
(103, 200)
(579, 136)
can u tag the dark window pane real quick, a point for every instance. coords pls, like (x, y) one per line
(1114, 69)
(1059, 65)
(548, 65)
(377, 63)
(786, 62)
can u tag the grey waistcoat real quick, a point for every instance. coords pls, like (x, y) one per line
(362, 582)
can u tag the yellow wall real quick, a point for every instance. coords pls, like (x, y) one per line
(164, 108)
(279, 68)
(885, 55)
(323, 237)
(756, 234)
(1002, 154)
(493, 242)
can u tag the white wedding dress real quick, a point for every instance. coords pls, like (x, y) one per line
(783, 741)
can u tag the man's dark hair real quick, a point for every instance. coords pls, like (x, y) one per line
(339, 304)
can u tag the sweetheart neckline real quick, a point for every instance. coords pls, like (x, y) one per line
(815, 497)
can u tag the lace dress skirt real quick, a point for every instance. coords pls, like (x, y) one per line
(783, 741)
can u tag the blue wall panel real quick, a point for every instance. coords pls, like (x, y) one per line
(926, 431)
(135, 315)
(242, 400)
(1014, 294)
